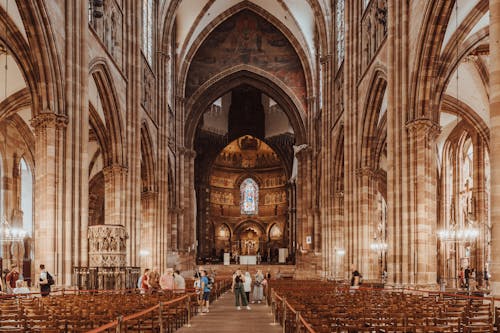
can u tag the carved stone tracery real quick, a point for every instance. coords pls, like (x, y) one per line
(107, 245)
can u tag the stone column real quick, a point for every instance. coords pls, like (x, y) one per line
(397, 107)
(49, 145)
(494, 63)
(326, 162)
(422, 136)
(190, 214)
(304, 225)
(365, 229)
(149, 245)
(292, 216)
(479, 199)
(132, 129)
(340, 266)
(73, 247)
(115, 178)
(181, 190)
(163, 219)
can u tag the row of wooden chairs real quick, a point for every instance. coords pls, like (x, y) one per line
(329, 307)
(80, 313)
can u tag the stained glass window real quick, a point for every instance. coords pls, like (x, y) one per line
(147, 30)
(249, 197)
(340, 31)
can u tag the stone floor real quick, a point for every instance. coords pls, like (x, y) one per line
(223, 317)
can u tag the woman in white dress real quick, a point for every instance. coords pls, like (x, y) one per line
(247, 285)
(258, 288)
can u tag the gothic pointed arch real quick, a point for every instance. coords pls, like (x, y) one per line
(20, 50)
(45, 55)
(300, 74)
(101, 133)
(471, 45)
(27, 135)
(114, 124)
(430, 39)
(453, 106)
(16, 101)
(235, 77)
(370, 120)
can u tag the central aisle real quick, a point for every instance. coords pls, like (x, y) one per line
(223, 317)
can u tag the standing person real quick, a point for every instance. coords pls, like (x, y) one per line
(45, 281)
(247, 285)
(467, 277)
(167, 280)
(461, 277)
(179, 283)
(487, 278)
(143, 281)
(206, 292)
(197, 287)
(258, 287)
(472, 281)
(154, 280)
(355, 277)
(237, 288)
(268, 275)
(11, 278)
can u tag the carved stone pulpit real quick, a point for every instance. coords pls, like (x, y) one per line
(107, 245)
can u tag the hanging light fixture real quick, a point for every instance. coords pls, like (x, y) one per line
(459, 234)
(10, 234)
(378, 246)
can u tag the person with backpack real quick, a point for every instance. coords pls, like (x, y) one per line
(206, 292)
(45, 281)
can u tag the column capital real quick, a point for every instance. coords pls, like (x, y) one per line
(180, 99)
(365, 171)
(114, 169)
(311, 99)
(190, 153)
(49, 120)
(149, 194)
(424, 126)
(164, 55)
(304, 153)
(187, 152)
(325, 59)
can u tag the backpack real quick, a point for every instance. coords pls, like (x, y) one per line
(50, 279)
(210, 284)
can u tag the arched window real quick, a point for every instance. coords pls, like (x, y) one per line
(26, 196)
(467, 183)
(339, 20)
(147, 29)
(249, 197)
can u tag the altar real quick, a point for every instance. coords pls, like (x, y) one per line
(248, 260)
